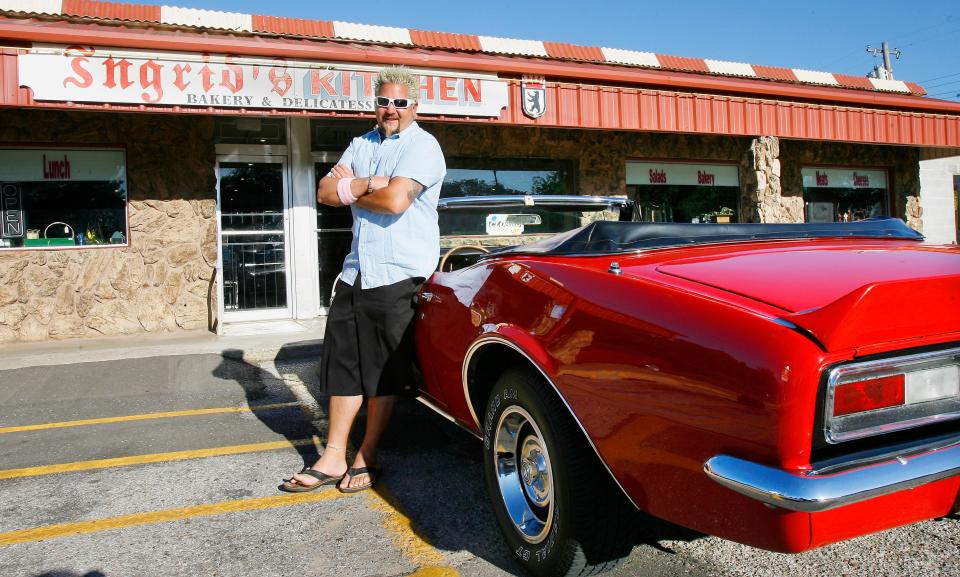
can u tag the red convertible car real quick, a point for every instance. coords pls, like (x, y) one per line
(783, 386)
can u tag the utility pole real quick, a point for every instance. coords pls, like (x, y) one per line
(885, 51)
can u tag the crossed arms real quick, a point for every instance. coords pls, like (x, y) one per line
(391, 195)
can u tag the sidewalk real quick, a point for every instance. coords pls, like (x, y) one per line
(253, 342)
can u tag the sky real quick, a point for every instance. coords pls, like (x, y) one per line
(830, 36)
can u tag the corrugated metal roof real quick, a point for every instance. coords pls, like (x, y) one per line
(369, 33)
(293, 26)
(384, 35)
(854, 81)
(774, 73)
(573, 52)
(579, 106)
(112, 10)
(814, 77)
(915, 88)
(890, 85)
(445, 40)
(206, 18)
(32, 6)
(619, 56)
(586, 106)
(512, 46)
(730, 68)
(682, 63)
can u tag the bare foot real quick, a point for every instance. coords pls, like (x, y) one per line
(362, 480)
(332, 462)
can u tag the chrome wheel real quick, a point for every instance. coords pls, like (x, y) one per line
(524, 473)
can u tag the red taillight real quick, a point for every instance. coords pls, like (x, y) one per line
(867, 395)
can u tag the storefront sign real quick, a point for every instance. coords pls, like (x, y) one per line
(44, 164)
(682, 174)
(56, 169)
(843, 178)
(91, 74)
(12, 206)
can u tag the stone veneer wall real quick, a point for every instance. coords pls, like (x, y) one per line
(599, 157)
(770, 182)
(162, 281)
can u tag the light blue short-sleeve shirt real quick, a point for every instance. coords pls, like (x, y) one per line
(389, 248)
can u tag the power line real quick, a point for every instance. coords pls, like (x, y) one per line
(939, 77)
(948, 33)
(943, 84)
(924, 29)
(954, 91)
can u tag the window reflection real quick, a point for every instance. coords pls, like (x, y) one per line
(490, 177)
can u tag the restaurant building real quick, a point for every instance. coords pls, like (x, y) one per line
(158, 165)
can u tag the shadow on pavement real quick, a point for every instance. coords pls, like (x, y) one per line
(432, 469)
(262, 388)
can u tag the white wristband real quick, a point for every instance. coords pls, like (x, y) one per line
(344, 192)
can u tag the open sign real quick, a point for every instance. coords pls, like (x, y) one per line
(12, 207)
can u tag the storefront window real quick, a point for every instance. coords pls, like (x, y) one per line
(486, 177)
(62, 197)
(843, 194)
(684, 192)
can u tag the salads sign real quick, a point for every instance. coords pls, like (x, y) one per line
(681, 174)
(94, 74)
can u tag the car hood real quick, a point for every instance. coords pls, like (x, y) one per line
(844, 295)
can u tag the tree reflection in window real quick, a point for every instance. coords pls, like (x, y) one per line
(493, 177)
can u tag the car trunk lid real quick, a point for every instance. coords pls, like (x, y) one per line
(844, 296)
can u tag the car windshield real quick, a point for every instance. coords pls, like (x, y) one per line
(515, 219)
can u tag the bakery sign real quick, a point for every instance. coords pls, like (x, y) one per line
(106, 75)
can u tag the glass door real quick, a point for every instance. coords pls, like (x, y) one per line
(334, 226)
(253, 202)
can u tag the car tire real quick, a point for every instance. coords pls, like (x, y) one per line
(557, 506)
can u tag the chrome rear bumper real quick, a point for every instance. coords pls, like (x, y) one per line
(812, 492)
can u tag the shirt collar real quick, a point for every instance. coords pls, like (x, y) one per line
(402, 134)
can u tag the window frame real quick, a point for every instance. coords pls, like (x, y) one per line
(106, 147)
(889, 202)
(706, 162)
(516, 164)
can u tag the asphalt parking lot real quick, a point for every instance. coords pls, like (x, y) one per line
(169, 466)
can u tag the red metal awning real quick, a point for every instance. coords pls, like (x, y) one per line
(579, 95)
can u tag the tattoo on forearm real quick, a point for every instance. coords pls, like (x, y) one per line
(413, 191)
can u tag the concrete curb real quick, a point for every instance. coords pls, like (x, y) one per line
(253, 346)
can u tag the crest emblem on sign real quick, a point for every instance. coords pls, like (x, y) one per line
(534, 93)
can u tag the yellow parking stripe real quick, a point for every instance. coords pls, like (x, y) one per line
(168, 515)
(145, 416)
(435, 572)
(422, 554)
(151, 458)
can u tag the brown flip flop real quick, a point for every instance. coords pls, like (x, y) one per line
(370, 471)
(292, 486)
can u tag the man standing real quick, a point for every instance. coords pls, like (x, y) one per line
(390, 177)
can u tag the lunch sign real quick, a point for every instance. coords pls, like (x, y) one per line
(105, 75)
